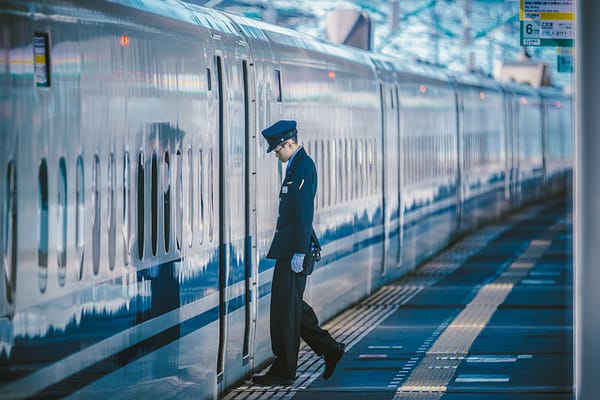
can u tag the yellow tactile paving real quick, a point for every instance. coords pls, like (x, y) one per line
(430, 378)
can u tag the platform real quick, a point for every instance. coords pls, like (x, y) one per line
(489, 318)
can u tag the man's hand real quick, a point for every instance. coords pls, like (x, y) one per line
(297, 262)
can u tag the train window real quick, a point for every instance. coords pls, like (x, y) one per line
(190, 198)
(278, 85)
(43, 221)
(126, 205)
(341, 152)
(351, 169)
(154, 201)
(333, 168)
(211, 206)
(179, 201)
(326, 154)
(371, 174)
(347, 157)
(365, 168)
(79, 214)
(61, 243)
(201, 196)
(208, 80)
(320, 171)
(97, 218)
(140, 205)
(112, 214)
(167, 200)
(359, 178)
(10, 232)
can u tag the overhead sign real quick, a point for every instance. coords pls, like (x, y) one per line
(547, 22)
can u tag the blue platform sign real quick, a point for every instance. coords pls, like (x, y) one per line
(564, 59)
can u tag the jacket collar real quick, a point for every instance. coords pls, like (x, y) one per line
(294, 162)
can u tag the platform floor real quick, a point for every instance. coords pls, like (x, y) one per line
(490, 318)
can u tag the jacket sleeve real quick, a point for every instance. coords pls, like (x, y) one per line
(305, 189)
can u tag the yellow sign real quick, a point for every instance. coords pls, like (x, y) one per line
(547, 22)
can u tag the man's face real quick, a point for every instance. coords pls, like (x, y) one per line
(284, 151)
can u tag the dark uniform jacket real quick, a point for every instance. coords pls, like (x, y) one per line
(296, 208)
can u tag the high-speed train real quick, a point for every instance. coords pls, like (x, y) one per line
(137, 200)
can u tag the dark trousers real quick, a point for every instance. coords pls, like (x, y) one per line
(291, 319)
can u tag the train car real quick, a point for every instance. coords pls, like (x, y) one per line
(138, 202)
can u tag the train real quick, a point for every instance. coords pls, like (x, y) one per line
(137, 200)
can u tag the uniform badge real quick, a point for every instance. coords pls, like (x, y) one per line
(284, 189)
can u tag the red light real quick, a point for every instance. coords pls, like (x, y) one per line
(558, 104)
(331, 74)
(423, 88)
(523, 100)
(124, 40)
(482, 95)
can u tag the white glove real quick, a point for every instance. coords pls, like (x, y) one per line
(297, 262)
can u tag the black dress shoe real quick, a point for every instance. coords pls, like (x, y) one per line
(332, 358)
(270, 379)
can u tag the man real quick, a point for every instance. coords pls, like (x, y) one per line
(291, 317)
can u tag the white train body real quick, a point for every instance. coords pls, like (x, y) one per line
(137, 201)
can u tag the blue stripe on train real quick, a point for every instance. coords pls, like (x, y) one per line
(168, 295)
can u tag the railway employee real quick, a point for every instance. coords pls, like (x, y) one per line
(291, 316)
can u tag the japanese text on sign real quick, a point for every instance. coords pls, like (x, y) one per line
(547, 22)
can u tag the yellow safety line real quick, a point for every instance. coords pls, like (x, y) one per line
(429, 380)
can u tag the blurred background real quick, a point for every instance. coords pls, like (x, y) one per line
(462, 35)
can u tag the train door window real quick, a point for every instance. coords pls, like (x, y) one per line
(10, 232)
(190, 198)
(167, 201)
(61, 243)
(43, 221)
(126, 205)
(140, 205)
(154, 201)
(179, 201)
(201, 196)
(278, 85)
(79, 215)
(211, 194)
(97, 218)
(112, 213)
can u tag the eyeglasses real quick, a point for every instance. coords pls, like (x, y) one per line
(280, 147)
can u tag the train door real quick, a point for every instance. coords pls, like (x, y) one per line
(460, 111)
(237, 217)
(399, 174)
(390, 188)
(512, 149)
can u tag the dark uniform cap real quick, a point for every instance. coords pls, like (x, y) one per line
(279, 132)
